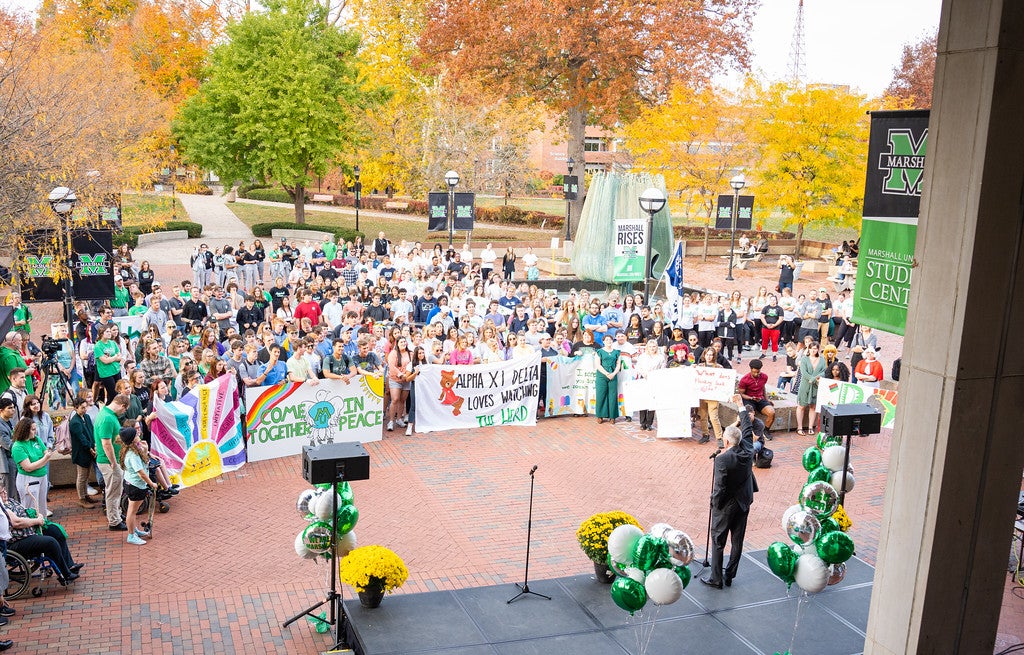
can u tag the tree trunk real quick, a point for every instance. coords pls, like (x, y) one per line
(707, 230)
(799, 238)
(577, 125)
(300, 203)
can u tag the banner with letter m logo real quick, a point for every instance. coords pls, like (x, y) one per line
(904, 162)
(92, 264)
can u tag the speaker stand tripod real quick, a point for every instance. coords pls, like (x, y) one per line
(525, 587)
(336, 610)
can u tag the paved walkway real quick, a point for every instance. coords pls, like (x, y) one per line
(220, 227)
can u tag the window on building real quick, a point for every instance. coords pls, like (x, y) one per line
(595, 144)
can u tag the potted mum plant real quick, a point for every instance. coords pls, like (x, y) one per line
(372, 571)
(593, 537)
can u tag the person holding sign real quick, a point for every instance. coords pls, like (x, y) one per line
(606, 386)
(708, 409)
(649, 360)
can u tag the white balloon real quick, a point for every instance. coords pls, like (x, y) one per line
(346, 543)
(663, 586)
(324, 506)
(811, 573)
(659, 530)
(833, 457)
(622, 541)
(635, 573)
(788, 513)
(301, 550)
(837, 480)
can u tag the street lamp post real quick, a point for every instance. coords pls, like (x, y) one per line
(736, 183)
(62, 201)
(452, 179)
(359, 194)
(652, 201)
(569, 165)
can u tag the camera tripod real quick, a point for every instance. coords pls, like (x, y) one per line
(56, 388)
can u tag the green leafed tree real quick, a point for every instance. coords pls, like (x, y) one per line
(281, 100)
(813, 149)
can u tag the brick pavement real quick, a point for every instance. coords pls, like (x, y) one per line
(220, 575)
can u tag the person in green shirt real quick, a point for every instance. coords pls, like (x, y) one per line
(108, 363)
(10, 359)
(139, 308)
(330, 249)
(122, 297)
(32, 458)
(106, 429)
(22, 314)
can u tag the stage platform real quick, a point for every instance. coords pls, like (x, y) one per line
(755, 615)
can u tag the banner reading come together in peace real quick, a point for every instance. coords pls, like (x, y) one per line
(283, 418)
(892, 199)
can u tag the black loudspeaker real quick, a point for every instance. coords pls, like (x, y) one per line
(335, 462)
(859, 419)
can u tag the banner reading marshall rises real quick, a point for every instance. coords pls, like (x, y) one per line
(892, 200)
(479, 395)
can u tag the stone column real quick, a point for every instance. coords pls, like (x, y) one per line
(957, 452)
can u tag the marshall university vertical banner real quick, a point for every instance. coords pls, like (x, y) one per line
(892, 198)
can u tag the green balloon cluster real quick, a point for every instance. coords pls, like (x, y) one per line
(650, 572)
(316, 505)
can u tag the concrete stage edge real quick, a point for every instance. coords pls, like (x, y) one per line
(755, 615)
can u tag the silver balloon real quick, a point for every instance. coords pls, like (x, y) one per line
(802, 527)
(680, 547)
(617, 569)
(659, 530)
(836, 573)
(303, 503)
(819, 498)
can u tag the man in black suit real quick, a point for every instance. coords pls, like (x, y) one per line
(731, 498)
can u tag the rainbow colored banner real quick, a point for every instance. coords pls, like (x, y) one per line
(200, 436)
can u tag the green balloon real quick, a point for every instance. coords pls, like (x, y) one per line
(343, 487)
(824, 441)
(828, 525)
(835, 547)
(782, 561)
(684, 574)
(819, 474)
(629, 594)
(650, 551)
(348, 516)
(347, 497)
(812, 458)
(323, 486)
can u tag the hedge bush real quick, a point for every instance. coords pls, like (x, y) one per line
(264, 230)
(130, 234)
(694, 232)
(269, 194)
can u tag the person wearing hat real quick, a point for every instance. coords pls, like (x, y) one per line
(751, 389)
(869, 371)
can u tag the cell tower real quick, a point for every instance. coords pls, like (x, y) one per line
(796, 48)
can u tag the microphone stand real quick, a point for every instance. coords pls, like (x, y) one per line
(525, 587)
(707, 544)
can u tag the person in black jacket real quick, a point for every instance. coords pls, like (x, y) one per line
(731, 498)
(83, 449)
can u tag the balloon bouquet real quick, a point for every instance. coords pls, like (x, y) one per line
(818, 525)
(317, 538)
(652, 566)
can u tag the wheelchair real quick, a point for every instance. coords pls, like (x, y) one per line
(21, 572)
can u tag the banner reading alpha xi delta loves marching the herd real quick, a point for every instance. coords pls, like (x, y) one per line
(200, 436)
(479, 395)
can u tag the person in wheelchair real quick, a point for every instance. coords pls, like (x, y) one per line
(33, 537)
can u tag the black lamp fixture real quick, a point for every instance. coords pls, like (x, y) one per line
(737, 183)
(451, 178)
(652, 201)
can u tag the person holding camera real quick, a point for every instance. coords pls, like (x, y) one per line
(786, 270)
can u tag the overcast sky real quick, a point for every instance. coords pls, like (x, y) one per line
(854, 42)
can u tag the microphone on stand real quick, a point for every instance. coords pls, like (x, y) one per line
(715, 454)
(533, 470)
